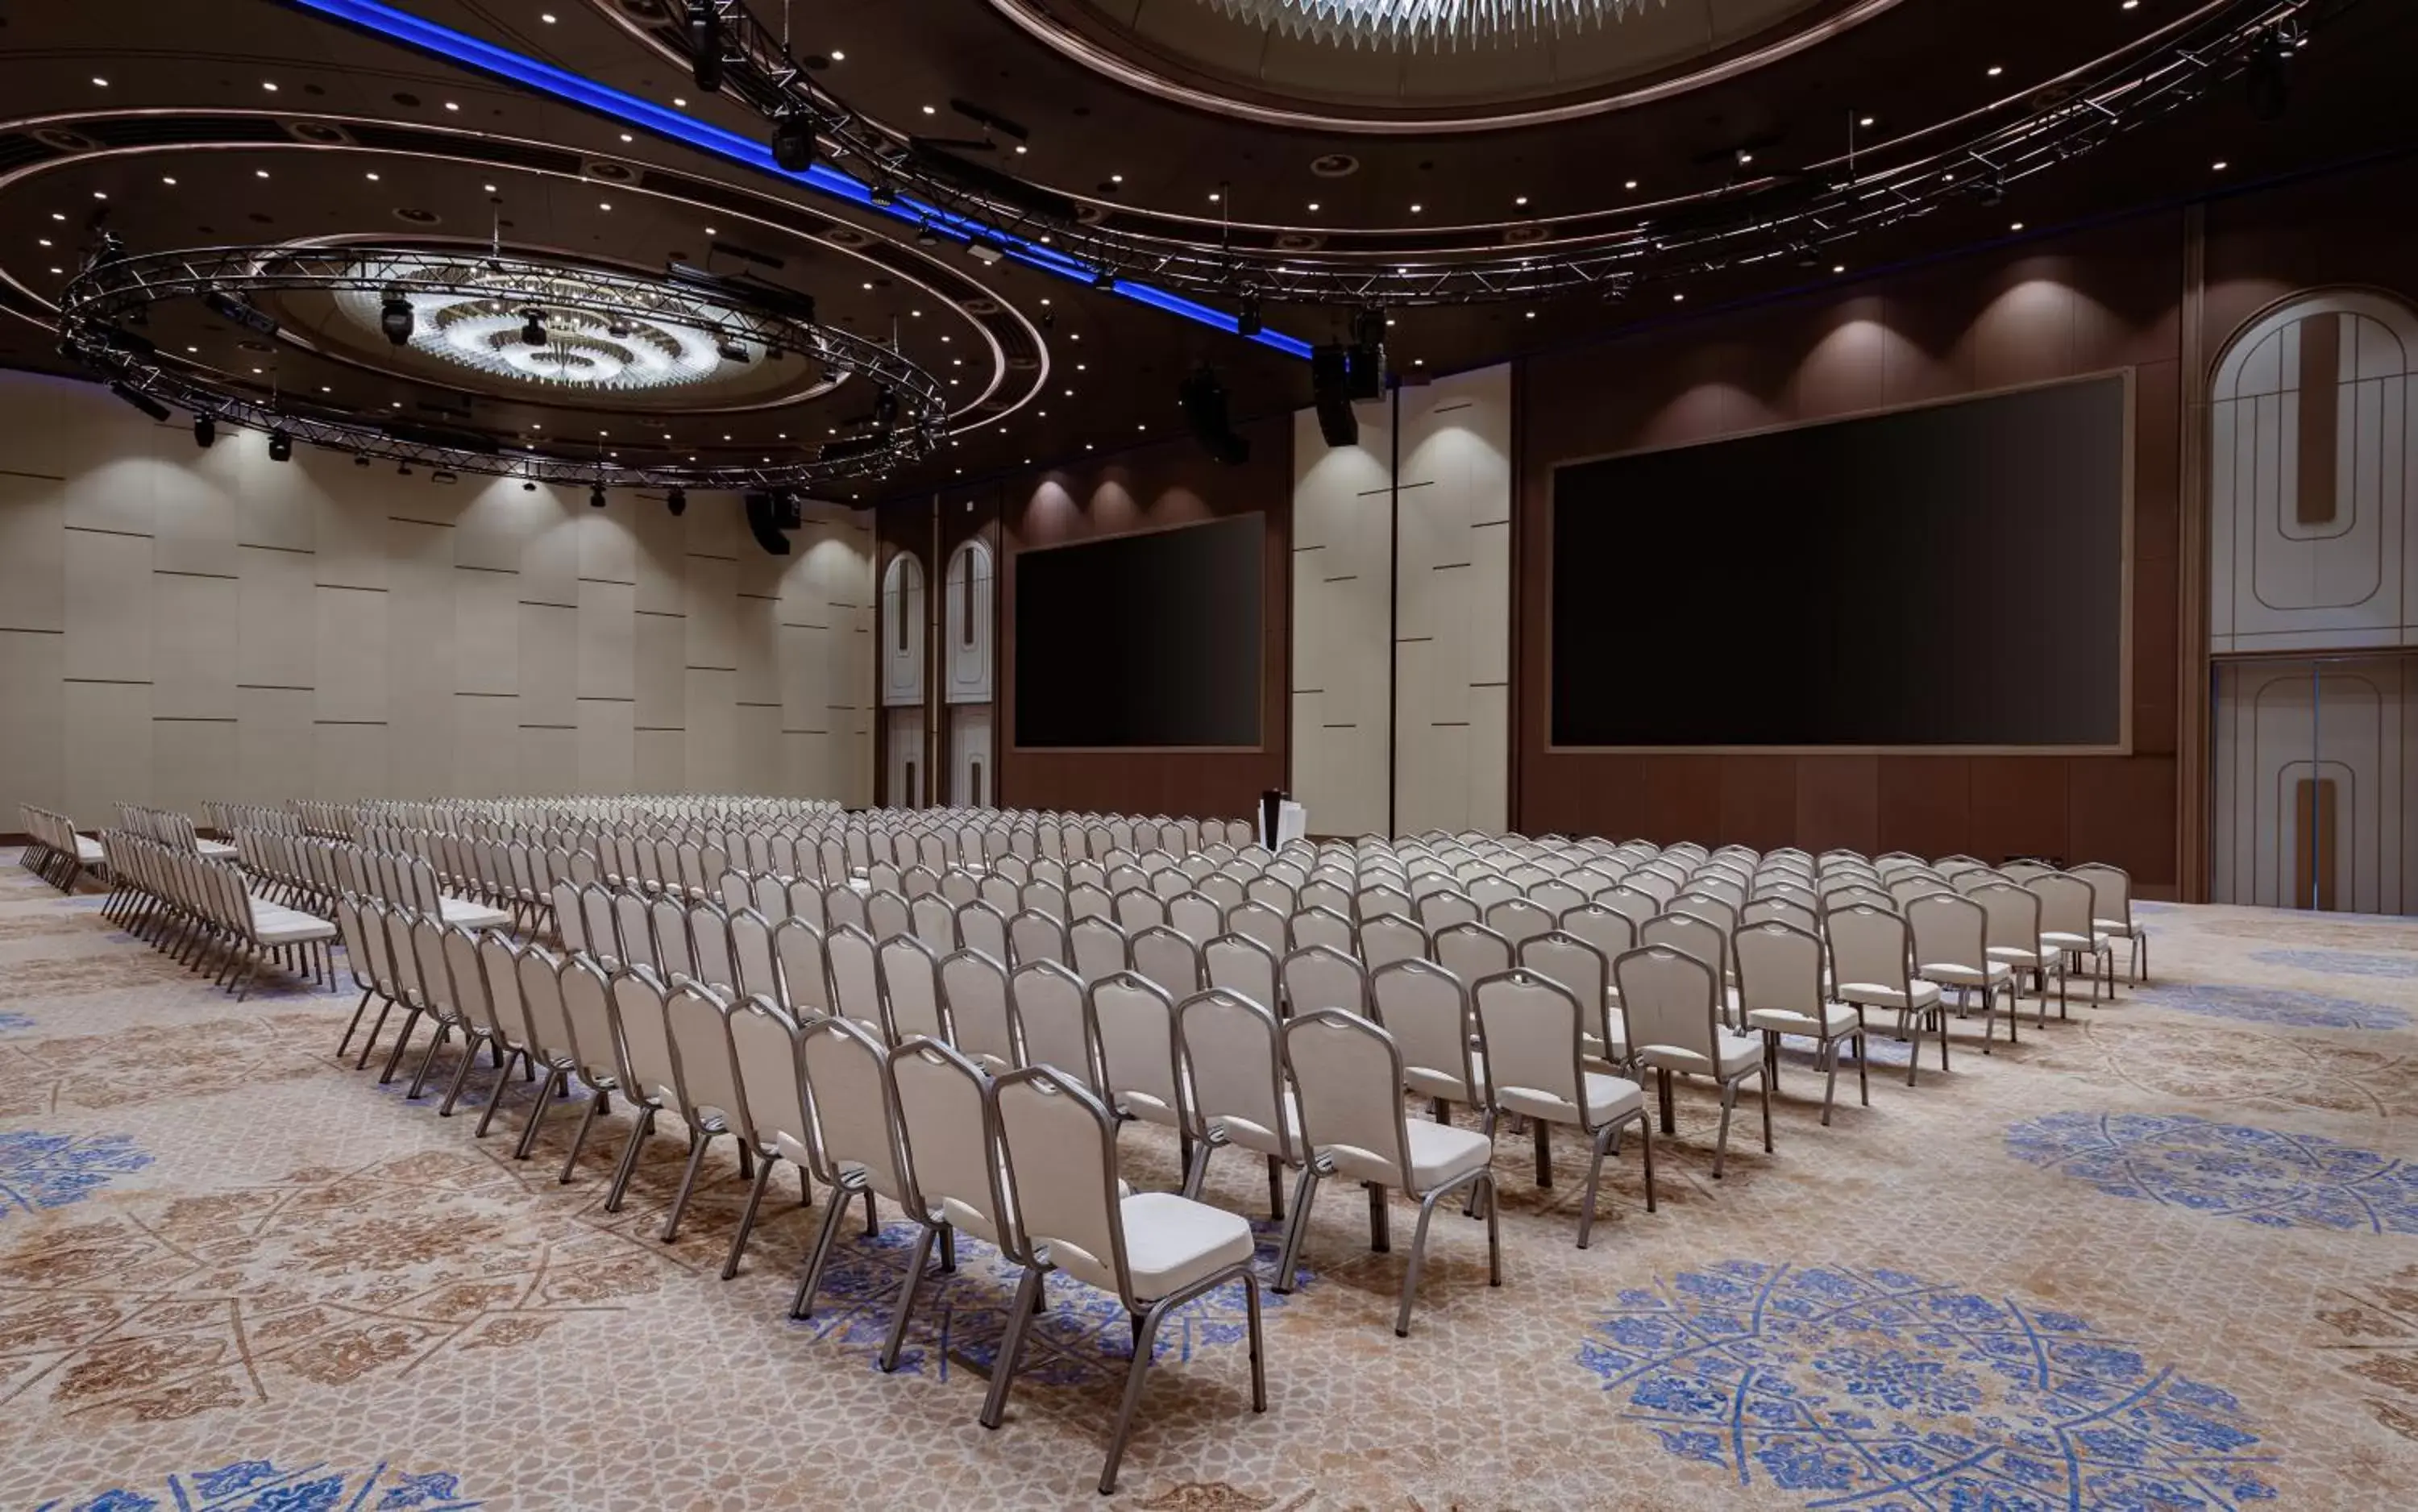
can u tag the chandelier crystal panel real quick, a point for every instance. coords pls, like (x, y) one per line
(1432, 24)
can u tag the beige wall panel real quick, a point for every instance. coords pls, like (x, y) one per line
(276, 503)
(44, 410)
(274, 745)
(420, 655)
(716, 525)
(107, 747)
(549, 664)
(118, 491)
(193, 660)
(711, 725)
(352, 759)
(193, 761)
(711, 608)
(486, 631)
(32, 734)
(660, 761)
(549, 760)
(498, 521)
(755, 646)
(350, 635)
(486, 744)
(198, 519)
(658, 557)
(277, 620)
(660, 676)
(32, 554)
(758, 747)
(806, 660)
(348, 522)
(606, 755)
(607, 639)
(109, 606)
(607, 550)
(550, 556)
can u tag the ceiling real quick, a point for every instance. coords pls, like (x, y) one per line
(186, 123)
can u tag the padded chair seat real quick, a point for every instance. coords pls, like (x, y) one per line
(1736, 1052)
(1244, 1135)
(285, 927)
(1441, 1153)
(1590, 1045)
(2117, 926)
(1873, 995)
(2017, 956)
(472, 915)
(1437, 1082)
(1836, 1020)
(2060, 940)
(1608, 1098)
(1171, 1242)
(88, 851)
(1951, 975)
(215, 849)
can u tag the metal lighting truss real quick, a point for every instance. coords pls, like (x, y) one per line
(1795, 213)
(103, 308)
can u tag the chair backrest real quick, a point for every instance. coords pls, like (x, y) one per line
(1136, 1025)
(982, 928)
(648, 1070)
(933, 920)
(1426, 1008)
(1869, 947)
(1778, 910)
(2111, 891)
(1581, 969)
(674, 957)
(1312, 926)
(981, 1023)
(588, 1013)
(1470, 950)
(1608, 930)
(886, 914)
(1233, 1047)
(1528, 1031)
(1668, 997)
(1055, 1019)
(1033, 935)
(1088, 900)
(1949, 931)
(539, 987)
(946, 1131)
(1137, 909)
(1441, 911)
(847, 1093)
(499, 961)
(1694, 933)
(1196, 915)
(2010, 915)
(1634, 904)
(1059, 1168)
(1168, 958)
(1778, 965)
(1321, 976)
(766, 1056)
(844, 905)
(1097, 946)
(805, 973)
(1386, 938)
(910, 990)
(1240, 963)
(855, 974)
(1260, 922)
(698, 1018)
(1347, 1074)
(751, 955)
(1719, 911)
(1518, 918)
(2067, 904)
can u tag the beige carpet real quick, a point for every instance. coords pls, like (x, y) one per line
(2162, 1255)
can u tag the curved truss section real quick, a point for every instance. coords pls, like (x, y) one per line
(602, 328)
(1797, 214)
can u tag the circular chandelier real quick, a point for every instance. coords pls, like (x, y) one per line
(557, 326)
(1414, 23)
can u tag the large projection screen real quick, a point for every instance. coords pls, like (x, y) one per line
(1141, 640)
(1951, 576)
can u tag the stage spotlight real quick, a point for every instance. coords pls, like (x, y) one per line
(443, 475)
(618, 330)
(141, 401)
(730, 351)
(1247, 316)
(281, 447)
(360, 459)
(2264, 80)
(205, 431)
(403, 470)
(596, 496)
(926, 236)
(885, 192)
(533, 330)
(528, 487)
(676, 501)
(1203, 399)
(794, 142)
(1993, 191)
(1103, 281)
(885, 409)
(395, 319)
(705, 45)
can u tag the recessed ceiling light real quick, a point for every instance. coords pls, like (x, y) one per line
(1021, 149)
(1519, 200)
(868, 285)
(603, 205)
(1532, 314)
(1866, 121)
(1838, 267)
(1313, 206)
(1212, 199)
(1996, 70)
(62, 270)
(1677, 296)
(450, 105)
(371, 178)
(547, 17)
(256, 370)
(270, 84)
(192, 348)
(711, 232)
(929, 110)
(2130, 4)
(45, 241)
(2217, 166)
(56, 216)
(677, 103)
(325, 389)
(98, 80)
(1116, 178)
(1418, 361)
(1631, 184)
(100, 194)
(489, 187)
(1414, 210)
(838, 56)
(627, 137)
(2016, 226)
(260, 173)
(165, 179)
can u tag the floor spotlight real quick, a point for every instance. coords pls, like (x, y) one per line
(533, 330)
(676, 501)
(281, 447)
(596, 496)
(395, 319)
(205, 430)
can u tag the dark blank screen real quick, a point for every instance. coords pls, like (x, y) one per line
(1141, 640)
(1950, 576)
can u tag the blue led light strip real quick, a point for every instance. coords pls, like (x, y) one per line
(546, 79)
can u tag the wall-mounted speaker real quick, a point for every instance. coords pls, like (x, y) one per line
(1204, 410)
(770, 514)
(1330, 387)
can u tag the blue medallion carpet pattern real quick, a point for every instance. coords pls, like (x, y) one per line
(2262, 1176)
(1881, 1389)
(52, 1170)
(262, 1486)
(2342, 963)
(2286, 1006)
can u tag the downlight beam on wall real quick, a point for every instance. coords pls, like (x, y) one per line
(571, 89)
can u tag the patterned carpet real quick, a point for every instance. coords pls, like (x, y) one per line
(2162, 1255)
